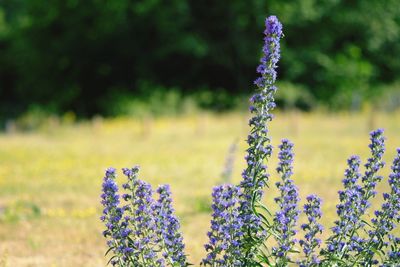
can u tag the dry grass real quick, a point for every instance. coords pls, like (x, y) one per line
(50, 180)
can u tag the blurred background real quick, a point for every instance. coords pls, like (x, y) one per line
(126, 57)
(85, 85)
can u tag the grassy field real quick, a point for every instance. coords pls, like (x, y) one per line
(50, 180)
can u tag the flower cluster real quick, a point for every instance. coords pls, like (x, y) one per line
(226, 228)
(168, 228)
(310, 242)
(144, 232)
(348, 210)
(374, 163)
(348, 244)
(146, 241)
(386, 218)
(112, 217)
(286, 217)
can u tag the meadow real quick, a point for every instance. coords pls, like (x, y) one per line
(50, 179)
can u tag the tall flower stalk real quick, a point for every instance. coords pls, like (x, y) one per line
(286, 217)
(347, 240)
(168, 227)
(116, 227)
(347, 210)
(310, 242)
(145, 240)
(223, 248)
(385, 219)
(255, 176)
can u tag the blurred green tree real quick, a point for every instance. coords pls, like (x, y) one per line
(76, 55)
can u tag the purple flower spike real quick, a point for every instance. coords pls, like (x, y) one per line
(116, 227)
(347, 241)
(286, 217)
(310, 242)
(255, 176)
(387, 218)
(168, 228)
(226, 228)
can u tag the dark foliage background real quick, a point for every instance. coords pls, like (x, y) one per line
(84, 56)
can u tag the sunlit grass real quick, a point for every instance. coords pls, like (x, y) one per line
(50, 180)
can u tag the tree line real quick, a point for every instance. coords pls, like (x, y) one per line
(71, 55)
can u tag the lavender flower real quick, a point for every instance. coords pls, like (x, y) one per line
(373, 165)
(255, 176)
(168, 228)
(385, 219)
(226, 228)
(350, 203)
(347, 242)
(313, 211)
(116, 227)
(148, 233)
(145, 240)
(286, 217)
